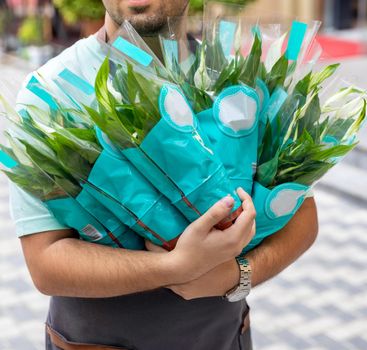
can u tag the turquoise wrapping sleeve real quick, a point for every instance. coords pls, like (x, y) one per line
(264, 99)
(270, 112)
(177, 159)
(231, 127)
(121, 188)
(72, 214)
(275, 208)
(263, 94)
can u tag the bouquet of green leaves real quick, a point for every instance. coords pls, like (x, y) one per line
(295, 150)
(31, 165)
(150, 121)
(229, 83)
(294, 140)
(85, 153)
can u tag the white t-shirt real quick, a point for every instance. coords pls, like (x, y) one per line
(84, 59)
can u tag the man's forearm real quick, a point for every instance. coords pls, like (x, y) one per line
(61, 264)
(280, 250)
(70, 267)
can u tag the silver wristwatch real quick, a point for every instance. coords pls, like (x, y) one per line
(243, 289)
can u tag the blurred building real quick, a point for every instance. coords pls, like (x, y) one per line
(337, 14)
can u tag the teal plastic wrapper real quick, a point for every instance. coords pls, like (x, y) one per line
(227, 32)
(264, 99)
(275, 208)
(231, 127)
(271, 110)
(263, 94)
(69, 212)
(295, 41)
(7, 161)
(132, 198)
(189, 173)
(120, 234)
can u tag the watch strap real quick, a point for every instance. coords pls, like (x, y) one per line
(243, 289)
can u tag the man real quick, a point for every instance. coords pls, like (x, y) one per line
(149, 300)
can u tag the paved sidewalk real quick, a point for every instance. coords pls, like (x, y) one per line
(318, 303)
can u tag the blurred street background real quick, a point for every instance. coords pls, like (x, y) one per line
(318, 303)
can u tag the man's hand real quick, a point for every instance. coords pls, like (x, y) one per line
(225, 273)
(216, 282)
(201, 247)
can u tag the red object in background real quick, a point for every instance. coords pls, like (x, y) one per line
(340, 48)
(22, 3)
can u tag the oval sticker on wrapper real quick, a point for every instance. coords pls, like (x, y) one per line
(236, 110)
(285, 200)
(175, 109)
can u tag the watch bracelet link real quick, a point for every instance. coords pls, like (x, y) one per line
(242, 290)
(245, 272)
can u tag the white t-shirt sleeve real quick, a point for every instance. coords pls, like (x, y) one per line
(29, 214)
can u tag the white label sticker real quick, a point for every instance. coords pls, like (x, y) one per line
(92, 232)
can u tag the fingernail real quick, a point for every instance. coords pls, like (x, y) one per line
(228, 201)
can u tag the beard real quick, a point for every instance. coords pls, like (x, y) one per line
(147, 22)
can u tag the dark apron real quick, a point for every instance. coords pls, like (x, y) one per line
(157, 320)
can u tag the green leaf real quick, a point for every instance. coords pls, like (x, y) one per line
(274, 52)
(215, 58)
(310, 178)
(318, 78)
(266, 172)
(333, 152)
(310, 115)
(303, 86)
(48, 164)
(278, 74)
(356, 126)
(252, 63)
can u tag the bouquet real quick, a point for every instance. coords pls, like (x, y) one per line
(242, 106)
(151, 122)
(84, 152)
(305, 146)
(294, 143)
(60, 192)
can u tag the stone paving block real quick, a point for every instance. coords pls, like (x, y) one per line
(329, 343)
(21, 343)
(294, 341)
(358, 342)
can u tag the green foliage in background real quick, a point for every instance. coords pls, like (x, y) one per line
(76, 10)
(3, 21)
(198, 5)
(31, 31)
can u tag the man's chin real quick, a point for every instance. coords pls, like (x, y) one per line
(147, 25)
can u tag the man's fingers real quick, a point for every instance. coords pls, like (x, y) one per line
(214, 215)
(246, 220)
(247, 203)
